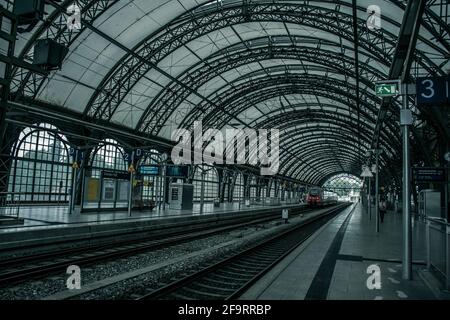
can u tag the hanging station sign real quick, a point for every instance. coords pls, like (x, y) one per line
(428, 174)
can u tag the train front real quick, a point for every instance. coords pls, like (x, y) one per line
(314, 197)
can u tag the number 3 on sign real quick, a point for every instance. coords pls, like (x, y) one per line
(429, 87)
(432, 90)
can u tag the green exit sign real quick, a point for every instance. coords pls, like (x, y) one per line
(387, 88)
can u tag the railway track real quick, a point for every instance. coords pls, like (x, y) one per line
(29, 267)
(230, 277)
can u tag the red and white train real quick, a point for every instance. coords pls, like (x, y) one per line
(317, 197)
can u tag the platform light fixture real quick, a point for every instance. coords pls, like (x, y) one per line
(366, 173)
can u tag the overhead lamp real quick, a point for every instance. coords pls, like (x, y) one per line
(374, 168)
(366, 173)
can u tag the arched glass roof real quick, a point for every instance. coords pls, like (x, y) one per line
(154, 66)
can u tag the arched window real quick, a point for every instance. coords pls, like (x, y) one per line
(152, 185)
(345, 185)
(211, 181)
(108, 156)
(238, 191)
(41, 170)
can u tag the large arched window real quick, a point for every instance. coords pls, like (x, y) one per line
(108, 156)
(211, 180)
(238, 191)
(344, 185)
(41, 170)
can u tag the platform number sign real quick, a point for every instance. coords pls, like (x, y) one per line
(433, 91)
(133, 156)
(76, 155)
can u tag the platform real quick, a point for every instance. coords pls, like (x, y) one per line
(333, 264)
(53, 224)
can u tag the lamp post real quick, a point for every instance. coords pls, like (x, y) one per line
(375, 169)
(405, 122)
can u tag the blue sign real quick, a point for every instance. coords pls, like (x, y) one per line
(432, 90)
(428, 174)
(77, 155)
(149, 170)
(138, 153)
(177, 171)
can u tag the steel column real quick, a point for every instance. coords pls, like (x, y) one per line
(377, 194)
(407, 239)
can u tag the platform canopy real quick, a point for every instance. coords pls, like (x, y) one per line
(154, 66)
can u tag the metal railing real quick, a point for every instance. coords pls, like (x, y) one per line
(438, 247)
(11, 202)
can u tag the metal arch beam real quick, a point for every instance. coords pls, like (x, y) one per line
(306, 142)
(286, 119)
(313, 140)
(320, 127)
(224, 60)
(287, 166)
(347, 160)
(330, 138)
(188, 16)
(330, 172)
(343, 84)
(232, 15)
(326, 164)
(162, 28)
(391, 151)
(247, 91)
(352, 177)
(263, 85)
(278, 81)
(299, 106)
(298, 168)
(303, 108)
(346, 163)
(270, 93)
(222, 18)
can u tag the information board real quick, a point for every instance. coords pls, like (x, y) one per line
(177, 171)
(149, 170)
(428, 174)
(119, 175)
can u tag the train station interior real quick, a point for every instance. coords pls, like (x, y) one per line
(251, 150)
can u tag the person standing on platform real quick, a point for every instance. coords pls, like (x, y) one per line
(383, 208)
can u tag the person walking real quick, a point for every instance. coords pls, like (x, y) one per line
(383, 208)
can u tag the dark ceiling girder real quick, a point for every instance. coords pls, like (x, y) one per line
(225, 60)
(345, 4)
(264, 85)
(320, 149)
(232, 15)
(296, 117)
